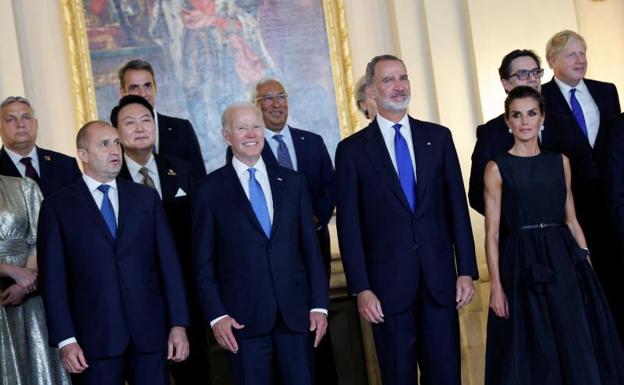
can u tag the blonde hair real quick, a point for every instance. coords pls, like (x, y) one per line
(558, 42)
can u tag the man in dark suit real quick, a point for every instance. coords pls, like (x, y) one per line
(174, 136)
(109, 272)
(518, 68)
(172, 179)
(405, 234)
(20, 156)
(259, 272)
(583, 110)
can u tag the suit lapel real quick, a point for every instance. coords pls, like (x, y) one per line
(300, 148)
(267, 155)
(124, 205)
(277, 193)
(7, 167)
(45, 167)
(168, 178)
(422, 154)
(85, 199)
(234, 189)
(600, 102)
(381, 161)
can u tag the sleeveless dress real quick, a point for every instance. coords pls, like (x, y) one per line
(560, 330)
(25, 357)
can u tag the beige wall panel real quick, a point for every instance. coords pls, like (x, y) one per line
(11, 80)
(600, 23)
(46, 71)
(498, 27)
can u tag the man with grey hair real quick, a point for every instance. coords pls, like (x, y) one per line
(583, 110)
(260, 278)
(21, 157)
(404, 233)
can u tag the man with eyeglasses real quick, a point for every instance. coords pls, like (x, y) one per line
(520, 67)
(302, 151)
(20, 157)
(584, 110)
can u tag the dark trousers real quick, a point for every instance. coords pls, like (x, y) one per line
(137, 368)
(426, 337)
(195, 370)
(288, 353)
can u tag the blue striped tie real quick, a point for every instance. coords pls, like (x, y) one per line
(405, 167)
(107, 210)
(258, 202)
(577, 111)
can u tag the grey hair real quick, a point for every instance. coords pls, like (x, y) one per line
(225, 118)
(370, 67)
(253, 92)
(360, 93)
(16, 99)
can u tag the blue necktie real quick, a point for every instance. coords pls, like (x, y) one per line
(283, 155)
(577, 111)
(258, 202)
(107, 210)
(405, 167)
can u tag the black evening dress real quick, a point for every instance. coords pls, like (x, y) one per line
(560, 330)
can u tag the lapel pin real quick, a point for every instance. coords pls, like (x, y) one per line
(280, 179)
(428, 143)
(169, 128)
(171, 172)
(47, 157)
(302, 138)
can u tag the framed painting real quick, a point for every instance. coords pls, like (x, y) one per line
(209, 53)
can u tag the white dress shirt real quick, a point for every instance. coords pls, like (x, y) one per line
(589, 106)
(388, 133)
(98, 196)
(152, 168)
(242, 171)
(288, 140)
(21, 167)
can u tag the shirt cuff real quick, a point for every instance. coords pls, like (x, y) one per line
(319, 310)
(66, 342)
(214, 321)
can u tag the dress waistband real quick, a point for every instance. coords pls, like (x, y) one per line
(540, 226)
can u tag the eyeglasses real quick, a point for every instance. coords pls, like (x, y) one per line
(268, 99)
(524, 74)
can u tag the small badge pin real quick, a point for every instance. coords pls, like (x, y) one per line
(169, 129)
(280, 179)
(47, 157)
(428, 143)
(171, 172)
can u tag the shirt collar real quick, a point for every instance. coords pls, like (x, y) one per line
(285, 132)
(565, 88)
(386, 125)
(15, 157)
(241, 167)
(134, 167)
(93, 184)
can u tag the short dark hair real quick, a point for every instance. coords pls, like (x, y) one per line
(83, 132)
(522, 92)
(370, 67)
(136, 65)
(504, 71)
(126, 100)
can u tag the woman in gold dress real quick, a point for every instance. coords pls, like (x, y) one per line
(25, 357)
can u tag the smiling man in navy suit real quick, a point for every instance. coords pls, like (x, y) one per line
(110, 276)
(20, 156)
(404, 233)
(259, 272)
(583, 110)
(174, 136)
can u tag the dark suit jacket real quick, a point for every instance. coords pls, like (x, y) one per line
(176, 174)
(383, 244)
(176, 137)
(615, 153)
(493, 140)
(105, 291)
(57, 170)
(242, 273)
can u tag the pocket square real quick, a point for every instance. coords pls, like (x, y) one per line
(180, 193)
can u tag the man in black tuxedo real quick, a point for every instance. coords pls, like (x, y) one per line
(174, 136)
(583, 110)
(172, 179)
(520, 67)
(20, 156)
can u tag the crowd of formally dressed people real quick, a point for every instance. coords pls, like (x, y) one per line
(116, 272)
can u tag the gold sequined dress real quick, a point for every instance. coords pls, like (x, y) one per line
(25, 356)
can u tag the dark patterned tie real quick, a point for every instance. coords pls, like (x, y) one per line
(30, 170)
(283, 155)
(147, 180)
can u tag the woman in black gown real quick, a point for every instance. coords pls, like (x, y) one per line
(549, 322)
